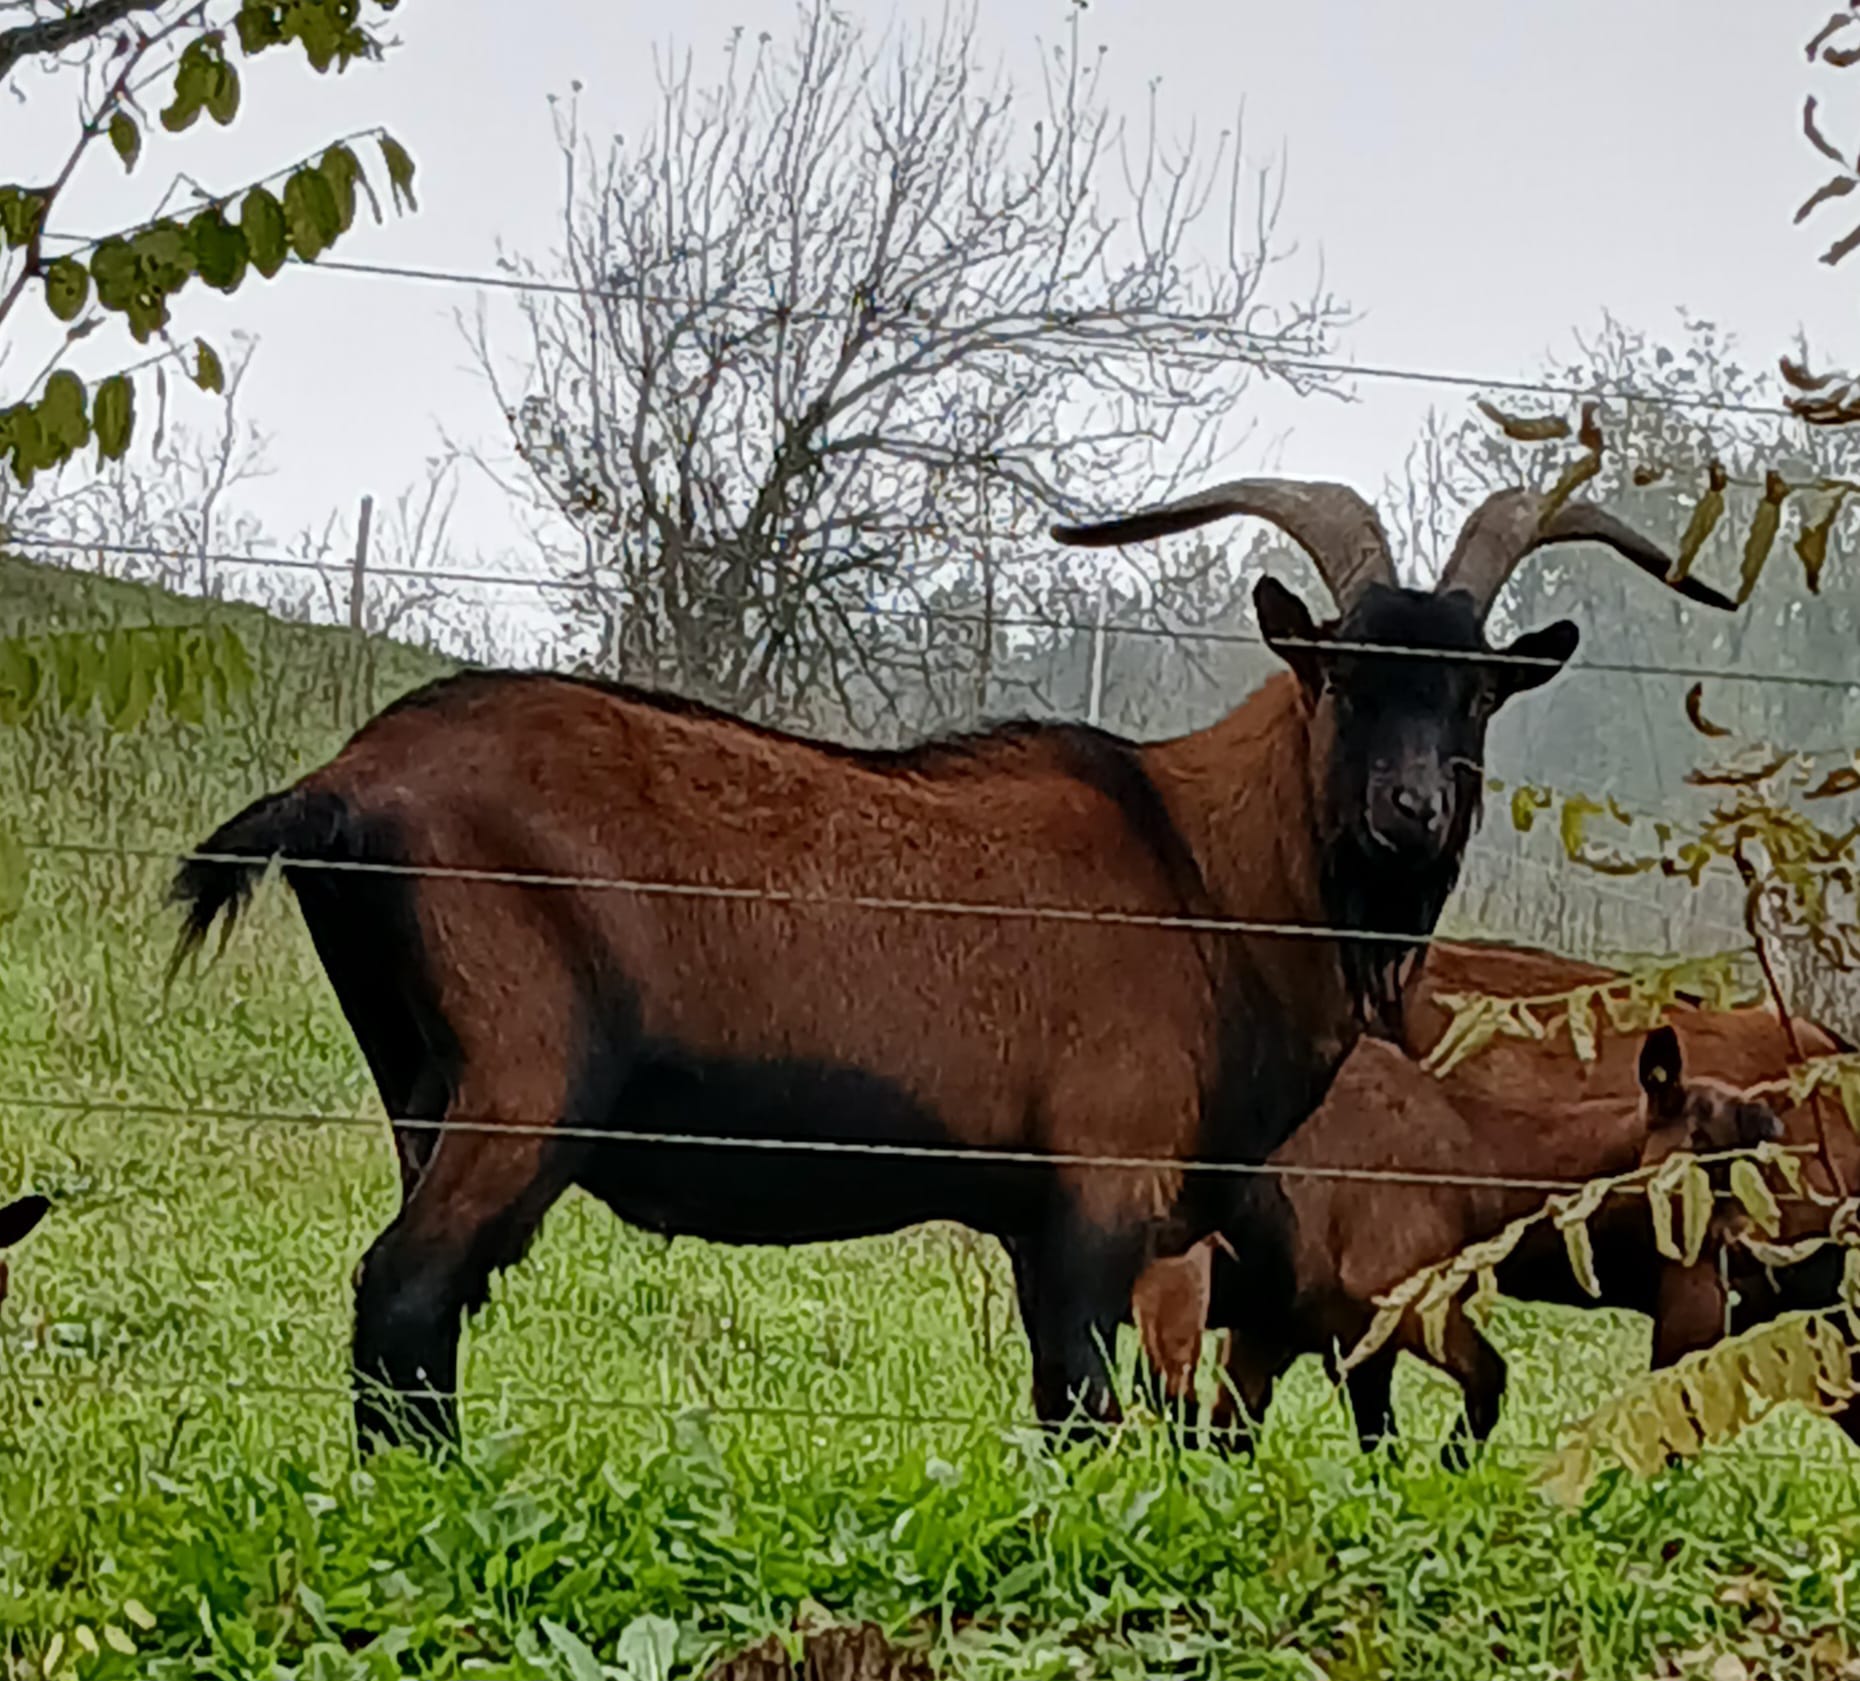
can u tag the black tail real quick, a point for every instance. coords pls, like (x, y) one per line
(299, 822)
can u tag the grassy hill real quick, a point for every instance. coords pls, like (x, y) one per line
(174, 1463)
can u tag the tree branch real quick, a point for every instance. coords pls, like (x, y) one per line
(55, 35)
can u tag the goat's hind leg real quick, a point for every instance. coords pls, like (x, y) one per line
(473, 1211)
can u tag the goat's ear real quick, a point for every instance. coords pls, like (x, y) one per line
(1284, 618)
(19, 1217)
(1554, 642)
(1660, 1071)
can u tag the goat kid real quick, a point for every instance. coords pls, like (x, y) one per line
(1356, 1239)
(525, 994)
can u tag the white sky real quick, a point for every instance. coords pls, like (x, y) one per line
(1479, 177)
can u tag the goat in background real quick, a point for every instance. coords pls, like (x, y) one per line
(1518, 1110)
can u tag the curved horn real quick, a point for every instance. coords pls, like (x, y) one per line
(1510, 524)
(1330, 522)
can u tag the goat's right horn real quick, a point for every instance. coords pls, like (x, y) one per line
(1510, 524)
(1330, 522)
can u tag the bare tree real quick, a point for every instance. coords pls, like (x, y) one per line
(843, 329)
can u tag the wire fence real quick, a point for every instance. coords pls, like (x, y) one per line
(250, 1391)
(245, 1390)
(1274, 352)
(1079, 623)
(980, 1155)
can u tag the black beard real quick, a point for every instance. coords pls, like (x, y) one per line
(1368, 888)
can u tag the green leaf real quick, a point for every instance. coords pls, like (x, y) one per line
(21, 213)
(219, 250)
(15, 872)
(583, 1665)
(258, 25)
(310, 213)
(126, 137)
(339, 168)
(199, 84)
(261, 219)
(67, 287)
(77, 663)
(400, 171)
(61, 414)
(223, 94)
(113, 414)
(115, 269)
(230, 665)
(208, 374)
(20, 681)
(26, 433)
(647, 1648)
(186, 678)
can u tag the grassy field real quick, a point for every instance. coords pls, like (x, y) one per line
(656, 1474)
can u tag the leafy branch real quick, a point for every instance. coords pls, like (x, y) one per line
(121, 674)
(1711, 1395)
(1680, 1179)
(136, 274)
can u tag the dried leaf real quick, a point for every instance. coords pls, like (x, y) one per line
(1845, 779)
(1764, 525)
(1695, 715)
(1811, 543)
(1753, 1191)
(1581, 1016)
(1836, 24)
(1581, 1258)
(1660, 1190)
(1576, 810)
(1816, 138)
(1704, 521)
(1797, 374)
(1524, 429)
(1695, 1205)
(1836, 186)
(1842, 248)
(1572, 478)
(1525, 804)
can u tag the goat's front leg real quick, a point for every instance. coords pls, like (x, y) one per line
(1074, 1280)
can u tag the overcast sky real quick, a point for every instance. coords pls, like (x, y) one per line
(1479, 178)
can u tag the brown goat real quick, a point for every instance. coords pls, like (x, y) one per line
(17, 1218)
(522, 992)
(1517, 1110)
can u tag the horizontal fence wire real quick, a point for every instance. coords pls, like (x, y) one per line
(253, 1391)
(980, 1155)
(796, 898)
(1275, 352)
(343, 571)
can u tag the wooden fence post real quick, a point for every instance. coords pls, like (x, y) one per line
(358, 615)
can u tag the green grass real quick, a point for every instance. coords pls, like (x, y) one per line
(652, 1437)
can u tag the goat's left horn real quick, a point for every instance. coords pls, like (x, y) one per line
(1510, 524)
(1330, 522)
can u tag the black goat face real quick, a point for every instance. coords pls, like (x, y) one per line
(1399, 737)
